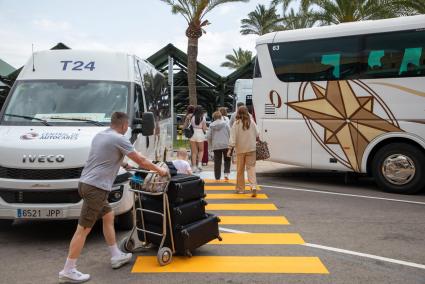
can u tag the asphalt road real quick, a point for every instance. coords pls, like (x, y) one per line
(358, 219)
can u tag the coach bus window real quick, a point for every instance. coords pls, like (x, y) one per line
(394, 54)
(317, 60)
(334, 61)
(375, 57)
(411, 60)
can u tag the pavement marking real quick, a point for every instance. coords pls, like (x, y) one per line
(226, 187)
(253, 220)
(235, 196)
(241, 206)
(206, 180)
(232, 264)
(391, 260)
(259, 239)
(366, 255)
(344, 194)
(232, 231)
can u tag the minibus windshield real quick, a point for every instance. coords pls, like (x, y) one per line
(65, 102)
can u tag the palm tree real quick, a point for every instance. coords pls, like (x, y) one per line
(410, 7)
(194, 12)
(340, 11)
(261, 21)
(238, 59)
(292, 20)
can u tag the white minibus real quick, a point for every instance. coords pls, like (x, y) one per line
(59, 102)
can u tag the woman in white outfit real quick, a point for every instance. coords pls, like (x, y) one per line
(199, 125)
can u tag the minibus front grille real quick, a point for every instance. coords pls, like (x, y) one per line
(40, 196)
(45, 174)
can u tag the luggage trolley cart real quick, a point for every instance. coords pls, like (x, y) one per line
(152, 188)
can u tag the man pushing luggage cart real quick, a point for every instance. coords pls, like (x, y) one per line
(105, 158)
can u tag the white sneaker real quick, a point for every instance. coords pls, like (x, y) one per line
(73, 276)
(119, 261)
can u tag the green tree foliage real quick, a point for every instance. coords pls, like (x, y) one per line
(261, 21)
(238, 59)
(194, 12)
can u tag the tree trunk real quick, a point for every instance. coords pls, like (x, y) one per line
(192, 57)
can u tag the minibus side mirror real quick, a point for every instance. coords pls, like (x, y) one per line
(145, 125)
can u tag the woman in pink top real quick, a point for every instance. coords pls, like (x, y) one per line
(199, 125)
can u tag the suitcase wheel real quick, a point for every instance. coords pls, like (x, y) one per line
(127, 244)
(164, 256)
(188, 253)
(220, 238)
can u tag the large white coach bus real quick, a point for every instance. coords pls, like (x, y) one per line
(348, 97)
(59, 102)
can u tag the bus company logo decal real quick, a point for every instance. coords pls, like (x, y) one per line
(348, 118)
(50, 136)
(275, 103)
(29, 136)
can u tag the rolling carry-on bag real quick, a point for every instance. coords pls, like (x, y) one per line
(197, 234)
(184, 188)
(181, 214)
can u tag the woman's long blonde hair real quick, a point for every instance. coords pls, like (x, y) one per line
(243, 116)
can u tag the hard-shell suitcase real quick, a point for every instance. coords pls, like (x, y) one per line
(183, 188)
(197, 234)
(187, 239)
(181, 214)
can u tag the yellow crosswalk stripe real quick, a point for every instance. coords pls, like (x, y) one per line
(221, 181)
(253, 220)
(241, 206)
(235, 196)
(226, 187)
(232, 264)
(259, 239)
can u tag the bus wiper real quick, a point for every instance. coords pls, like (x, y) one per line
(29, 118)
(97, 123)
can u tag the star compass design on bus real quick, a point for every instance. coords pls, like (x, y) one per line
(351, 114)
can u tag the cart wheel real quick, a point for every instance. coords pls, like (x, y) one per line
(127, 245)
(164, 256)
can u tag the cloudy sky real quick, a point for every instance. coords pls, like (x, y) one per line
(135, 26)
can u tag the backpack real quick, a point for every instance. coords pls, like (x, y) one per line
(188, 131)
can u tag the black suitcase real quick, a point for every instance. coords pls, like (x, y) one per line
(187, 239)
(181, 214)
(197, 234)
(183, 188)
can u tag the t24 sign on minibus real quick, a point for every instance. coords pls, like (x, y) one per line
(77, 65)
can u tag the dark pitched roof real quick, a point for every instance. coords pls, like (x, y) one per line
(5, 68)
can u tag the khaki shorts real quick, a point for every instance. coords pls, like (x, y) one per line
(95, 204)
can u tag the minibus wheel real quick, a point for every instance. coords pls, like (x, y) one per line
(399, 168)
(125, 221)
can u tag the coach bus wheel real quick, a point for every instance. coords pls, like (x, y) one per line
(125, 221)
(399, 168)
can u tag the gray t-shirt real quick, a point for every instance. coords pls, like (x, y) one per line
(107, 152)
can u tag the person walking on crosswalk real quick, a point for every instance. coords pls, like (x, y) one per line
(244, 134)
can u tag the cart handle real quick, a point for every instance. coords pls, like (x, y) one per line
(141, 171)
